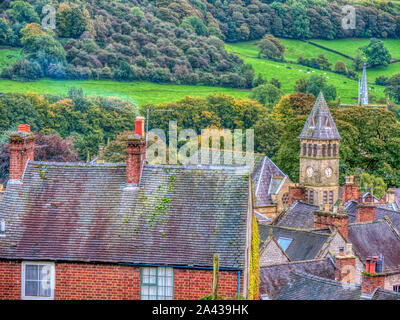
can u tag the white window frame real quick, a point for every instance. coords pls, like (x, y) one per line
(157, 284)
(52, 280)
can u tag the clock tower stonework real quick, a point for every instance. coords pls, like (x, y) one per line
(319, 155)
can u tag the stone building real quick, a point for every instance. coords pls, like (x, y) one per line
(319, 155)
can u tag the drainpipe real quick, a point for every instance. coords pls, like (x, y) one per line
(238, 284)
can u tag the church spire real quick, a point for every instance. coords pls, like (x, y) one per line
(320, 124)
(362, 88)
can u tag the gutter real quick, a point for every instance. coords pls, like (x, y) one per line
(177, 266)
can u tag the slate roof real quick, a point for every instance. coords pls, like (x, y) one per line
(80, 212)
(275, 277)
(304, 286)
(374, 238)
(394, 216)
(305, 245)
(267, 180)
(350, 208)
(299, 216)
(320, 124)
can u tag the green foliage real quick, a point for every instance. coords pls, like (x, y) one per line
(314, 84)
(271, 48)
(376, 53)
(254, 287)
(393, 87)
(22, 11)
(218, 110)
(71, 21)
(375, 185)
(117, 40)
(267, 94)
(91, 120)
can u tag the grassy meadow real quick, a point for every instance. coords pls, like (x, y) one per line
(139, 92)
(145, 92)
(288, 73)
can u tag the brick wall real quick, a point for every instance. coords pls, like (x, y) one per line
(370, 283)
(10, 280)
(84, 281)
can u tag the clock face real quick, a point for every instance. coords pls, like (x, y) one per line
(310, 171)
(328, 172)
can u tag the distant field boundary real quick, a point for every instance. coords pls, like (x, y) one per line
(341, 53)
(331, 50)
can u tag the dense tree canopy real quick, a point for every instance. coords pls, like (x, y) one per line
(376, 53)
(89, 121)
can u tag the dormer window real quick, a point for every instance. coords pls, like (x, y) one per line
(284, 242)
(312, 125)
(328, 123)
(2, 227)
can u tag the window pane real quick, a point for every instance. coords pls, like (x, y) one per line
(44, 290)
(284, 243)
(31, 272)
(31, 288)
(44, 272)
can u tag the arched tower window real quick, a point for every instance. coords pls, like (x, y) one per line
(309, 149)
(335, 149)
(329, 150)
(323, 150)
(315, 150)
(304, 149)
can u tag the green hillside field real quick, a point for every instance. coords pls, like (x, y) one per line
(288, 73)
(139, 92)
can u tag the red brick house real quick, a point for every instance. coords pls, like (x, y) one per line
(122, 231)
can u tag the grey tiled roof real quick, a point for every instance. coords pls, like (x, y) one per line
(375, 238)
(304, 286)
(267, 179)
(79, 212)
(305, 245)
(320, 124)
(275, 277)
(299, 216)
(350, 208)
(394, 216)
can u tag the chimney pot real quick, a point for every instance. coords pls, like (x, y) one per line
(371, 280)
(349, 249)
(24, 128)
(139, 126)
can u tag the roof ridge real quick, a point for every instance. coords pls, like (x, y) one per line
(297, 262)
(321, 279)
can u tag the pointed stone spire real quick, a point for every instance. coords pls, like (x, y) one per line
(362, 88)
(320, 124)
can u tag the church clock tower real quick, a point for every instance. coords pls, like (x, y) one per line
(319, 155)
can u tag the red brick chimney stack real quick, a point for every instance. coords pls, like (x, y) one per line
(339, 221)
(351, 190)
(135, 153)
(297, 192)
(22, 147)
(345, 265)
(365, 213)
(370, 278)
